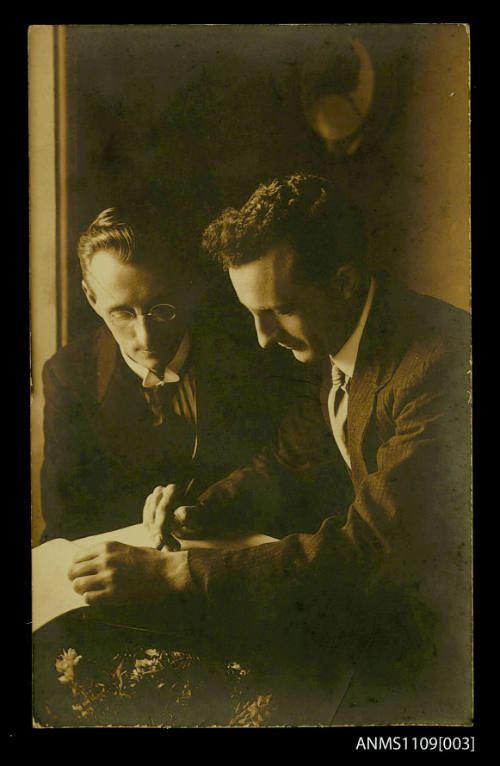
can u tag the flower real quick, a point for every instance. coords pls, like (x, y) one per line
(236, 670)
(254, 713)
(65, 664)
(162, 687)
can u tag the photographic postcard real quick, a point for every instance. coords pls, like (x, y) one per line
(191, 118)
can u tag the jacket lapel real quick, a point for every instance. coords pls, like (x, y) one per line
(106, 351)
(365, 385)
(122, 416)
(377, 360)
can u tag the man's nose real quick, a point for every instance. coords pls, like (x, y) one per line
(266, 328)
(142, 328)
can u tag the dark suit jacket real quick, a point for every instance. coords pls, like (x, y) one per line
(396, 556)
(102, 454)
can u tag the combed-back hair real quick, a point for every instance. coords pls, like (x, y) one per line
(140, 234)
(304, 211)
(106, 232)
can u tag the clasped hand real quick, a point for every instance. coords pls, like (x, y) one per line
(163, 516)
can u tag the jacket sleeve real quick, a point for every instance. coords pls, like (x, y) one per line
(75, 477)
(289, 480)
(405, 526)
(64, 495)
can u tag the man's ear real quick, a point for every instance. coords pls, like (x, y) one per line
(89, 295)
(347, 280)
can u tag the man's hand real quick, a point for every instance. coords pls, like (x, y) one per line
(115, 573)
(162, 515)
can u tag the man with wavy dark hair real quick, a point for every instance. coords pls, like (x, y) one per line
(305, 211)
(375, 585)
(306, 227)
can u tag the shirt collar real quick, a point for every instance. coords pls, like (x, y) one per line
(171, 373)
(345, 359)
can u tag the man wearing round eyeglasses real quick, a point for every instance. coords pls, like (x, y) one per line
(138, 303)
(162, 394)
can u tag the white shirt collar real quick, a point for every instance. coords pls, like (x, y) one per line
(170, 375)
(345, 359)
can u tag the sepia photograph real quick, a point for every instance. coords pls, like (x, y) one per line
(251, 376)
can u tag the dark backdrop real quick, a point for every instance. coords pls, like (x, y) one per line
(194, 117)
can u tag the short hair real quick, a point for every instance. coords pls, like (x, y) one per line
(305, 211)
(106, 232)
(140, 235)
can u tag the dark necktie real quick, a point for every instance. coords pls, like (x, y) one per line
(178, 434)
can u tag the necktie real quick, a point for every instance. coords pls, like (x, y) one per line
(160, 400)
(337, 410)
(178, 434)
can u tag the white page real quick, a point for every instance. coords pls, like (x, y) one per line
(52, 592)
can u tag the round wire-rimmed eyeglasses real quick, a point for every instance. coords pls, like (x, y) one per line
(162, 313)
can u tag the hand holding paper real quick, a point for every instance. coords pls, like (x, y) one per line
(114, 573)
(53, 591)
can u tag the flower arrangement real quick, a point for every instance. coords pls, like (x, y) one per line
(159, 688)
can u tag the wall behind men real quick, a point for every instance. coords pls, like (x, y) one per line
(192, 118)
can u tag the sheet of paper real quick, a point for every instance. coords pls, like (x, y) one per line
(137, 535)
(52, 592)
